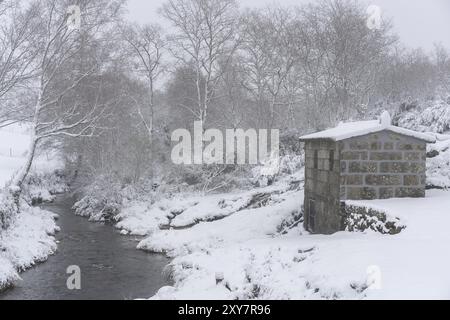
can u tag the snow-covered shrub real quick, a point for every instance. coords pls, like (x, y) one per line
(186, 175)
(290, 143)
(433, 116)
(290, 164)
(8, 209)
(101, 201)
(37, 188)
(266, 174)
(209, 178)
(438, 163)
(361, 218)
(27, 232)
(29, 239)
(291, 160)
(42, 187)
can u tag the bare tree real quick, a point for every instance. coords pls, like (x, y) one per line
(270, 55)
(146, 45)
(231, 111)
(340, 60)
(442, 61)
(16, 57)
(57, 46)
(207, 38)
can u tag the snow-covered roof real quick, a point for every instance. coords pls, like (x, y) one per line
(360, 128)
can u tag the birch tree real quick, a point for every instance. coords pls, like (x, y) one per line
(146, 45)
(57, 43)
(442, 62)
(16, 57)
(268, 48)
(352, 56)
(231, 111)
(206, 36)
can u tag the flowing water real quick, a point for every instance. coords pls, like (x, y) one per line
(111, 267)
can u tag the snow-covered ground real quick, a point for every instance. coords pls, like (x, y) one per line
(264, 253)
(258, 262)
(30, 238)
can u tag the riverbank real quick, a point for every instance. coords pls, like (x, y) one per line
(111, 267)
(30, 237)
(254, 243)
(29, 240)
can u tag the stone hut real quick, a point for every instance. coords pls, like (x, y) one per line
(360, 161)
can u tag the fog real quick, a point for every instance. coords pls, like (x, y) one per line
(419, 23)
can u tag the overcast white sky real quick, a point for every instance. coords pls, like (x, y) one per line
(419, 23)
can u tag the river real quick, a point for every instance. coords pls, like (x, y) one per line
(111, 267)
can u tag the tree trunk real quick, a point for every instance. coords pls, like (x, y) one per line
(16, 186)
(17, 183)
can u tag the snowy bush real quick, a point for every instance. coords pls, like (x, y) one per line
(266, 174)
(434, 116)
(222, 178)
(291, 164)
(37, 188)
(42, 187)
(26, 232)
(361, 218)
(29, 239)
(290, 143)
(101, 201)
(8, 209)
(209, 178)
(290, 161)
(438, 163)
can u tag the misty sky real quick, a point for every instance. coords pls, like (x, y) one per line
(419, 23)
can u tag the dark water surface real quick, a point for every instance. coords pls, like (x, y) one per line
(111, 267)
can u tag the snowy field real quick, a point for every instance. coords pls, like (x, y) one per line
(14, 143)
(30, 238)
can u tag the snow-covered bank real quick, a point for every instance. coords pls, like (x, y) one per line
(29, 236)
(189, 210)
(243, 225)
(29, 240)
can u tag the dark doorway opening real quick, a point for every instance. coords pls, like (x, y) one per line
(312, 215)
